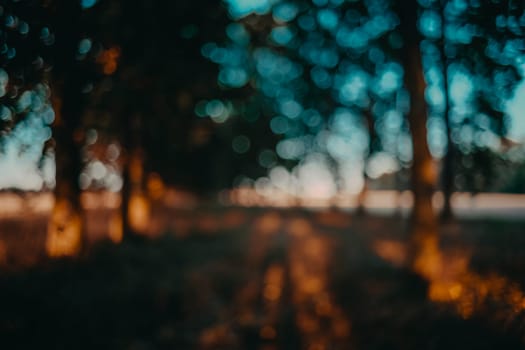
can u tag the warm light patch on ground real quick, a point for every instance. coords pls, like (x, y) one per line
(64, 233)
(116, 228)
(139, 212)
(299, 227)
(391, 251)
(155, 186)
(452, 282)
(470, 292)
(273, 284)
(268, 223)
(273, 280)
(318, 318)
(428, 260)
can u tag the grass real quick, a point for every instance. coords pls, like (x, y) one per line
(190, 293)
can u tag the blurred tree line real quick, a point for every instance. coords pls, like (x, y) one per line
(199, 92)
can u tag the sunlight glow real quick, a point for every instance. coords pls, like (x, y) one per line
(453, 283)
(139, 212)
(64, 233)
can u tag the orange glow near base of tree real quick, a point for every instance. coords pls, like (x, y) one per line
(116, 229)
(469, 292)
(64, 232)
(428, 261)
(139, 212)
(155, 186)
(451, 281)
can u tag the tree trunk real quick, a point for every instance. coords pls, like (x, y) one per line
(125, 197)
(372, 137)
(65, 236)
(447, 172)
(425, 256)
(135, 205)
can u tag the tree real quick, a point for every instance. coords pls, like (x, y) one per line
(160, 76)
(423, 177)
(78, 61)
(57, 55)
(31, 48)
(481, 43)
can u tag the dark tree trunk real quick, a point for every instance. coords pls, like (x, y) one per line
(65, 234)
(65, 231)
(135, 206)
(125, 198)
(425, 256)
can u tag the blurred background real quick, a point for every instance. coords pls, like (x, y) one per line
(262, 174)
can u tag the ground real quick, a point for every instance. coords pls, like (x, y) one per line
(238, 278)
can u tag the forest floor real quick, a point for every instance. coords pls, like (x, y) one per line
(238, 278)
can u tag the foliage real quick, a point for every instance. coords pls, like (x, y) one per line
(321, 69)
